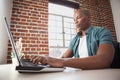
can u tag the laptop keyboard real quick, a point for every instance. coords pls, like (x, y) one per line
(27, 62)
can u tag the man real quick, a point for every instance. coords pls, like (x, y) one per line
(92, 47)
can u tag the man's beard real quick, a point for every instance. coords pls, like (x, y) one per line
(82, 26)
(79, 27)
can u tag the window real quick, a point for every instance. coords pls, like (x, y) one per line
(61, 28)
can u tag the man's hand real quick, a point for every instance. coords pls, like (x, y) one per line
(47, 61)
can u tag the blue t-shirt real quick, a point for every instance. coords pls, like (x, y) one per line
(94, 36)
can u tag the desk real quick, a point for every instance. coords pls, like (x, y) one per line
(8, 72)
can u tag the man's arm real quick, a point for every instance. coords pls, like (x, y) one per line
(68, 54)
(102, 59)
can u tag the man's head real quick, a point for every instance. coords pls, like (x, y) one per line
(82, 19)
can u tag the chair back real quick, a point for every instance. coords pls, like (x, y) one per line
(116, 59)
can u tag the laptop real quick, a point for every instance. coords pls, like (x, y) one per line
(24, 64)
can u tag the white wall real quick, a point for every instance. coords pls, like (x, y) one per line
(5, 10)
(115, 5)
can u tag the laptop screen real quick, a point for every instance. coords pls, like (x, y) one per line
(12, 41)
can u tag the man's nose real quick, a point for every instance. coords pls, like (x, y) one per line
(75, 21)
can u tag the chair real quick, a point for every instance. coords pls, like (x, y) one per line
(116, 59)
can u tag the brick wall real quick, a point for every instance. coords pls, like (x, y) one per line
(30, 21)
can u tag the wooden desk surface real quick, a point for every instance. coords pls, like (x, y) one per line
(7, 72)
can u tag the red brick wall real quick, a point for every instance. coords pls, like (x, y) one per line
(30, 21)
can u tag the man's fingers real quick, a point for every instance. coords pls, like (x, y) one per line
(39, 60)
(32, 58)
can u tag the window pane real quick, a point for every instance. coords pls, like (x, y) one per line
(57, 43)
(67, 43)
(67, 31)
(59, 36)
(52, 29)
(72, 25)
(51, 23)
(59, 30)
(52, 36)
(51, 17)
(58, 18)
(52, 43)
(73, 31)
(67, 37)
(68, 20)
(61, 10)
(60, 43)
(60, 26)
(66, 25)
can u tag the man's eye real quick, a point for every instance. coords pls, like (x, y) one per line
(78, 17)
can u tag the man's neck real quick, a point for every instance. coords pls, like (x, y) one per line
(84, 30)
(83, 33)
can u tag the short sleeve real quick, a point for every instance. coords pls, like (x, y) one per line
(105, 36)
(71, 45)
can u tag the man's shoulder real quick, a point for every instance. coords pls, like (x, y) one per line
(75, 37)
(99, 29)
